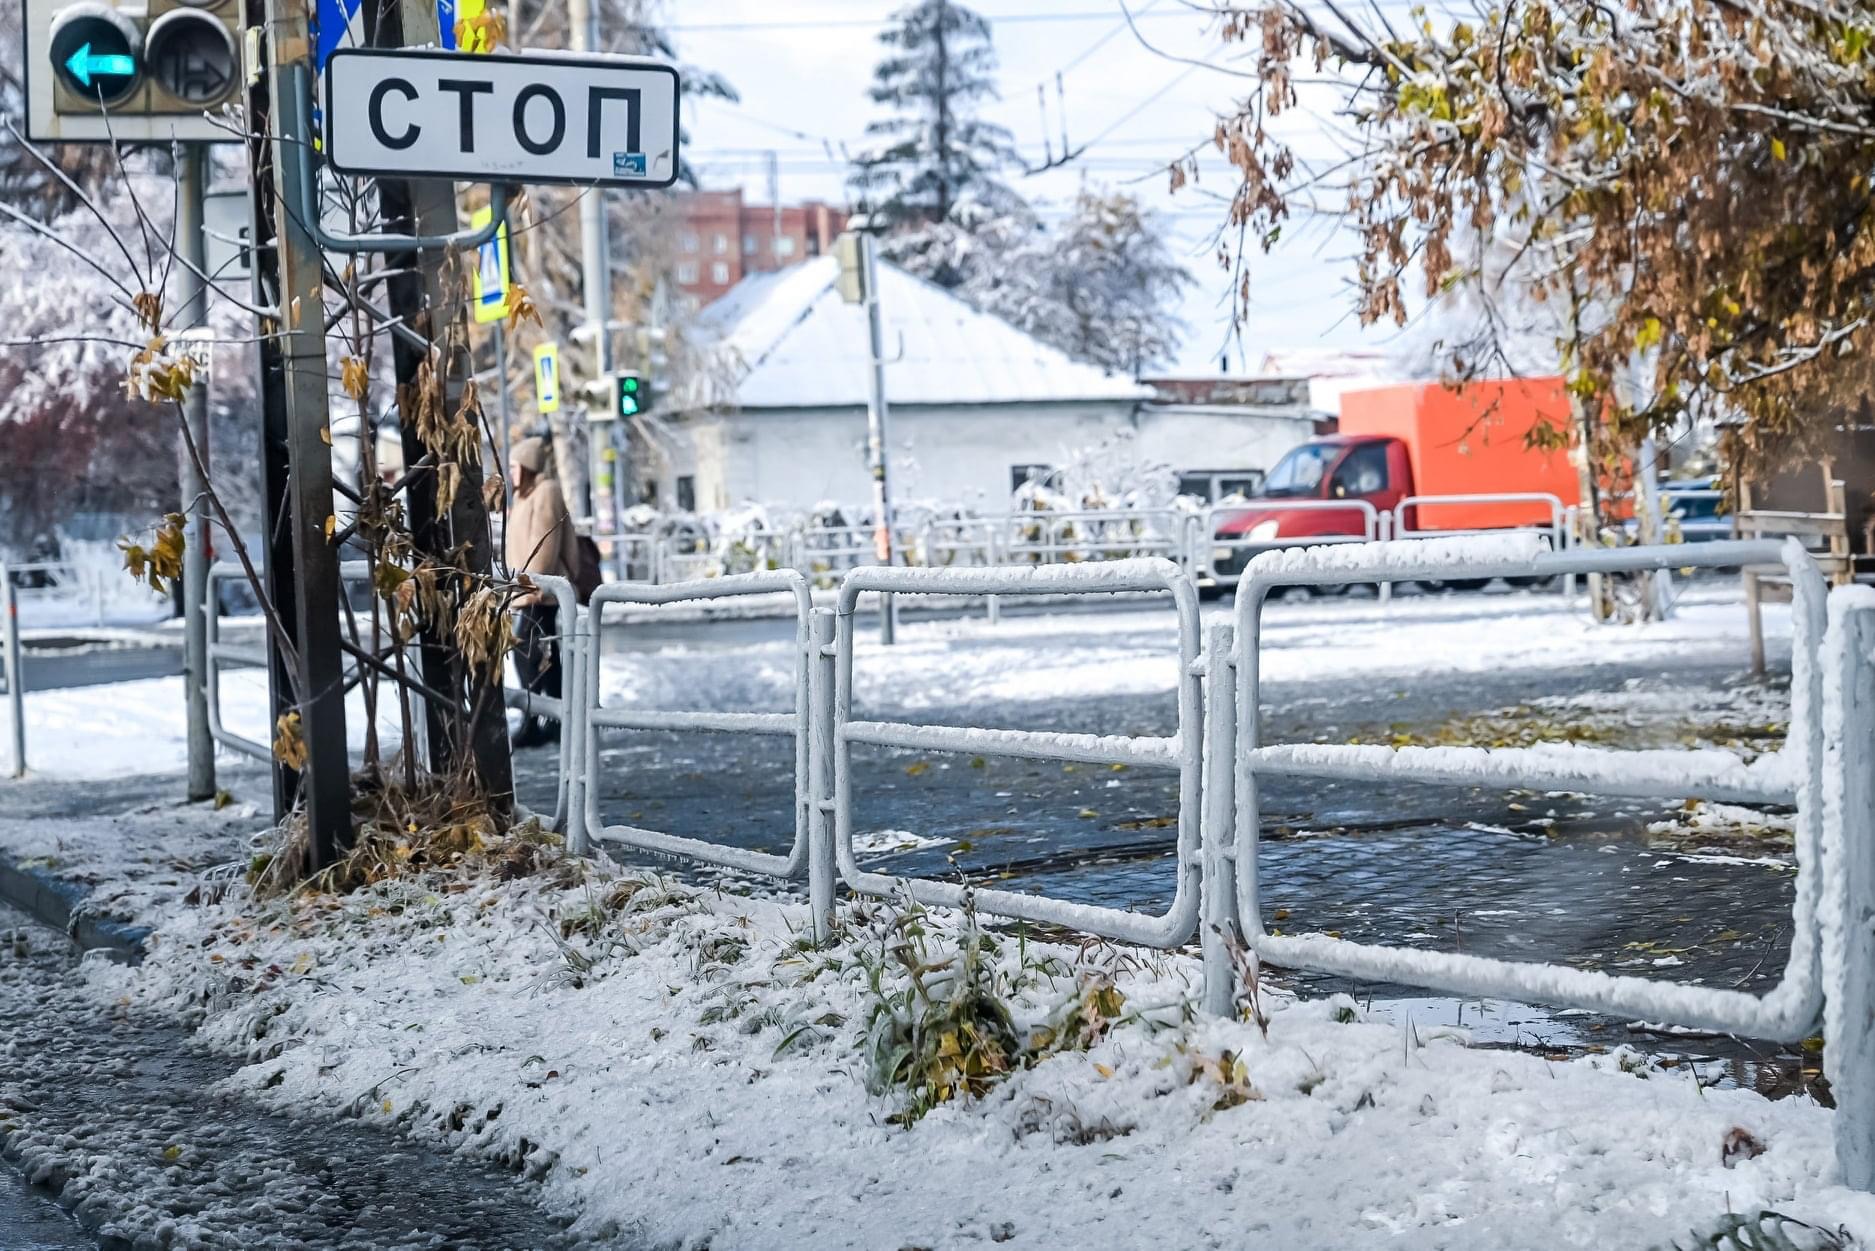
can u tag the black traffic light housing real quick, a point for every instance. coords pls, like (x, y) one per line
(631, 395)
(131, 70)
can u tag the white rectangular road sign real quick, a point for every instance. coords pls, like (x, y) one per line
(596, 120)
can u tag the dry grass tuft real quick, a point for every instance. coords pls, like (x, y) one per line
(441, 825)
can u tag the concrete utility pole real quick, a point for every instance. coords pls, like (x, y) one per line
(294, 378)
(878, 428)
(192, 180)
(608, 455)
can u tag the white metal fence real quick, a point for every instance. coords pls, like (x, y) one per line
(1826, 771)
(1178, 752)
(813, 632)
(1189, 538)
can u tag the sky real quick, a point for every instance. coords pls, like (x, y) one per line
(802, 70)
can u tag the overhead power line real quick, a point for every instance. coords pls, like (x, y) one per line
(831, 23)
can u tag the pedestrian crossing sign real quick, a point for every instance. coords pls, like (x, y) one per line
(547, 377)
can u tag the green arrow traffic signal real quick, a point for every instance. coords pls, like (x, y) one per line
(85, 63)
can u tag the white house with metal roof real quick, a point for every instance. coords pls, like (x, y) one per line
(976, 404)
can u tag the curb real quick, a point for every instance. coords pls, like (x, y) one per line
(60, 904)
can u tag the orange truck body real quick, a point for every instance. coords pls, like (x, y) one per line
(1472, 439)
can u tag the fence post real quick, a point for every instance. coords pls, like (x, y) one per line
(16, 686)
(1383, 526)
(820, 855)
(1217, 923)
(1849, 880)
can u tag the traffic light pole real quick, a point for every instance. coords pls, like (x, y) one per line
(878, 427)
(302, 565)
(192, 180)
(595, 269)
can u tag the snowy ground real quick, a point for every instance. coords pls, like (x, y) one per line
(679, 1072)
(137, 727)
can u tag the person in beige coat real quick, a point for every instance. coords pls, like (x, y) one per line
(539, 539)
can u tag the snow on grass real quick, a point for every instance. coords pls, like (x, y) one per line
(678, 1070)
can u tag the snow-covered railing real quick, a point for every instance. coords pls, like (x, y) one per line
(1051, 538)
(812, 791)
(1206, 550)
(1786, 1012)
(572, 658)
(1848, 893)
(1180, 751)
(960, 542)
(220, 654)
(51, 580)
(688, 557)
(1421, 505)
(824, 553)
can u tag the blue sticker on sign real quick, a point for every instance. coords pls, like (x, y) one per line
(628, 165)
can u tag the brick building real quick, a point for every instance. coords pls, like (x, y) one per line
(721, 239)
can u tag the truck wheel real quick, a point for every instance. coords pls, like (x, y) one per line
(1534, 584)
(1455, 584)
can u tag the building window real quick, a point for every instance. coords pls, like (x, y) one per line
(720, 244)
(1021, 475)
(719, 272)
(686, 272)
(690, 242)
(784, 245)
(687, 493)
(749, 245)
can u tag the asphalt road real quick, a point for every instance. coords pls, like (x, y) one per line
(52, 664)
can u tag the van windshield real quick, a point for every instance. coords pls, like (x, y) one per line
(1300, 472)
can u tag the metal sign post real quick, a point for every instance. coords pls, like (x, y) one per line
(16, 683)
(192, 181)
(491, 280)
(302, 564)
(878, 436)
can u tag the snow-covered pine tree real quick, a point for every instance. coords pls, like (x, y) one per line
(1104, 287)
(932, 151)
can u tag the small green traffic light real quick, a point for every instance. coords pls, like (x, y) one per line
(631, 395)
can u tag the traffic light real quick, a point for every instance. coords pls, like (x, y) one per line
(132, 72)
(632, 394)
